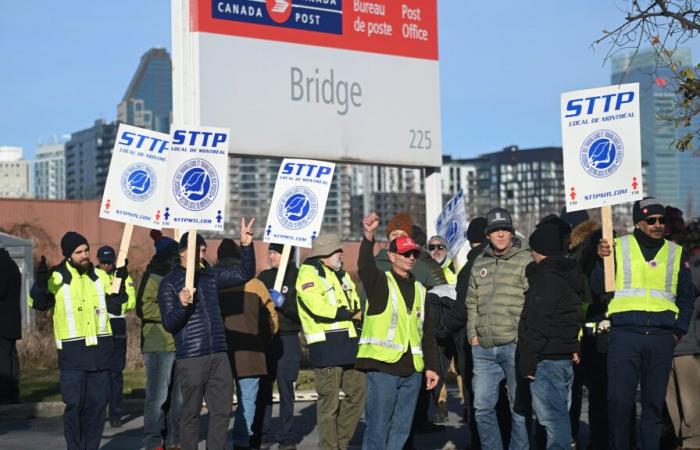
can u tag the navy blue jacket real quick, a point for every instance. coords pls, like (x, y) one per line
(198, 328)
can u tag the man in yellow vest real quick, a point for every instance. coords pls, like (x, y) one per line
(648, 314)
(107, 257)
(79, 297)
(396, 344)
(437, 247)
(328, 306)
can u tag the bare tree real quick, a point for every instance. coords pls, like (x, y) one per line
(666, 25)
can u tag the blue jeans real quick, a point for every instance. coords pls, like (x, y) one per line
(491, 365)
(391, 402)
(161, 409)
(551, 397)
(246, 392)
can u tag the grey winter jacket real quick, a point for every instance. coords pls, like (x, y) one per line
(496, 294)
(690, 342)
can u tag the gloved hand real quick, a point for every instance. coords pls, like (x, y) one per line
(41, 278)
(277, 298)
(115, 302)
(122, 272)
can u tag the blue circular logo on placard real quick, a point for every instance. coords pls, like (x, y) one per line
(138, 182)
(452, 232)
(196, 184)
(297, 208)
(601, 153)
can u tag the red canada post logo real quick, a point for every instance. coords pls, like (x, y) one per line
(279, 10)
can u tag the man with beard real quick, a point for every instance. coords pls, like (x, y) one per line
(80, 298)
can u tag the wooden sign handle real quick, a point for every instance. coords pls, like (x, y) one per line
(608, 261)
(191, 254)
(284, 259)
(123, 252)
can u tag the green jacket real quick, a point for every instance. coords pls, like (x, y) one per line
(427, 271)
(496, 294)
(154, 338)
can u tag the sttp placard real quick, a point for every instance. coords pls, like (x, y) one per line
(195, 196)
(602, 146)
(338, 80)
(136, 180)
(299, 201)
(452, 223)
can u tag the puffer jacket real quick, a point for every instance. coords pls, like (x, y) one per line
(199, 328)
(496, 294)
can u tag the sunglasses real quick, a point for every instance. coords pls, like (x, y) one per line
(432, 247)
(410, 253)
(653, 220)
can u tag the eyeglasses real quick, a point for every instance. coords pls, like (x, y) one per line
(410, 253)
(432, 247)
(653, 220)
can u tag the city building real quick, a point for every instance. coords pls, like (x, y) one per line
(14, 173)
(88, 154)
(148, 101)
(671, 175)
(50, 171)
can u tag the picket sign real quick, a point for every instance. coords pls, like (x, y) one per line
(279, 279)
(121, 255)
(608, 261)
(191, 254)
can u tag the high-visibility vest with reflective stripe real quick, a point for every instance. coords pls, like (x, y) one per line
(130, 294)
(641, 285)
(321, 298)
(387, 336)
(80, 311)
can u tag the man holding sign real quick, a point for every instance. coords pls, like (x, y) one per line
(194, 318)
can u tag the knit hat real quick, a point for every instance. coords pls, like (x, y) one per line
(70, 241)
(105, 254)
(546, 240)
(156, 235)
(278, 248)
(400, 221)
(325, 245)
(437, 237)
(574, 218)
(166, 248)
(403, 244)
(646, 207)
(562, 226)
(498, 218)
(476, 232)
(183, 241)
(228, 249)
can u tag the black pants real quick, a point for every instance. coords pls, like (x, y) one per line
(117, 378)
(85, 395)
(595, 378)
(634, 358)
(9, 371)
(205, 377)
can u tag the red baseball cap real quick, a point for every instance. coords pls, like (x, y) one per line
(403, 244)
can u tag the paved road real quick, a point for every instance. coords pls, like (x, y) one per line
(48, 433)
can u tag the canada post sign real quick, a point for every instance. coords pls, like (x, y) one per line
(135, 183)
(298, 203)
(303, 65)
(602, 146)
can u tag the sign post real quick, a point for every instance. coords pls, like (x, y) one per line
(135, 184)
(602, 153)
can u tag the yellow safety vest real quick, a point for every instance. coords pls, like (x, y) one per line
(130, 293)
(80, 310)
(387, 336)
(450, 276)
(641, 285)
(321, 297)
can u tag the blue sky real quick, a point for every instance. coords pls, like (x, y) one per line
(503, 65)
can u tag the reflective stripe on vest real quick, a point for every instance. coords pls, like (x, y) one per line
(70, 317)
(388, 342)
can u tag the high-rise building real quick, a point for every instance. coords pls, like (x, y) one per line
(14, 173)
(88, 154)
(50, 171)
(148, 101)
(671, 175)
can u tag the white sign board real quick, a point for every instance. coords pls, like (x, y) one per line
(602, 146)
(298, 203)
(136, 181)
(452, 223)
(195, 196)
(333, 80)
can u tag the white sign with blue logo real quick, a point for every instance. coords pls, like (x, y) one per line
(195, 196)
(298, 203)
(135, 184)
(602, 146)
(452, 223)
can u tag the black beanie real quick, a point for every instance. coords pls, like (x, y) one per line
(70, 241)
(646, 207)
(183, 241)
(562, 226)
(546, 240)
(228, 249)
(279, 248)
(476, 232)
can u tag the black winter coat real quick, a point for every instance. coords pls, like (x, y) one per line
(288, 313)
(551, 317)
(198, 328)
(10, 290)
